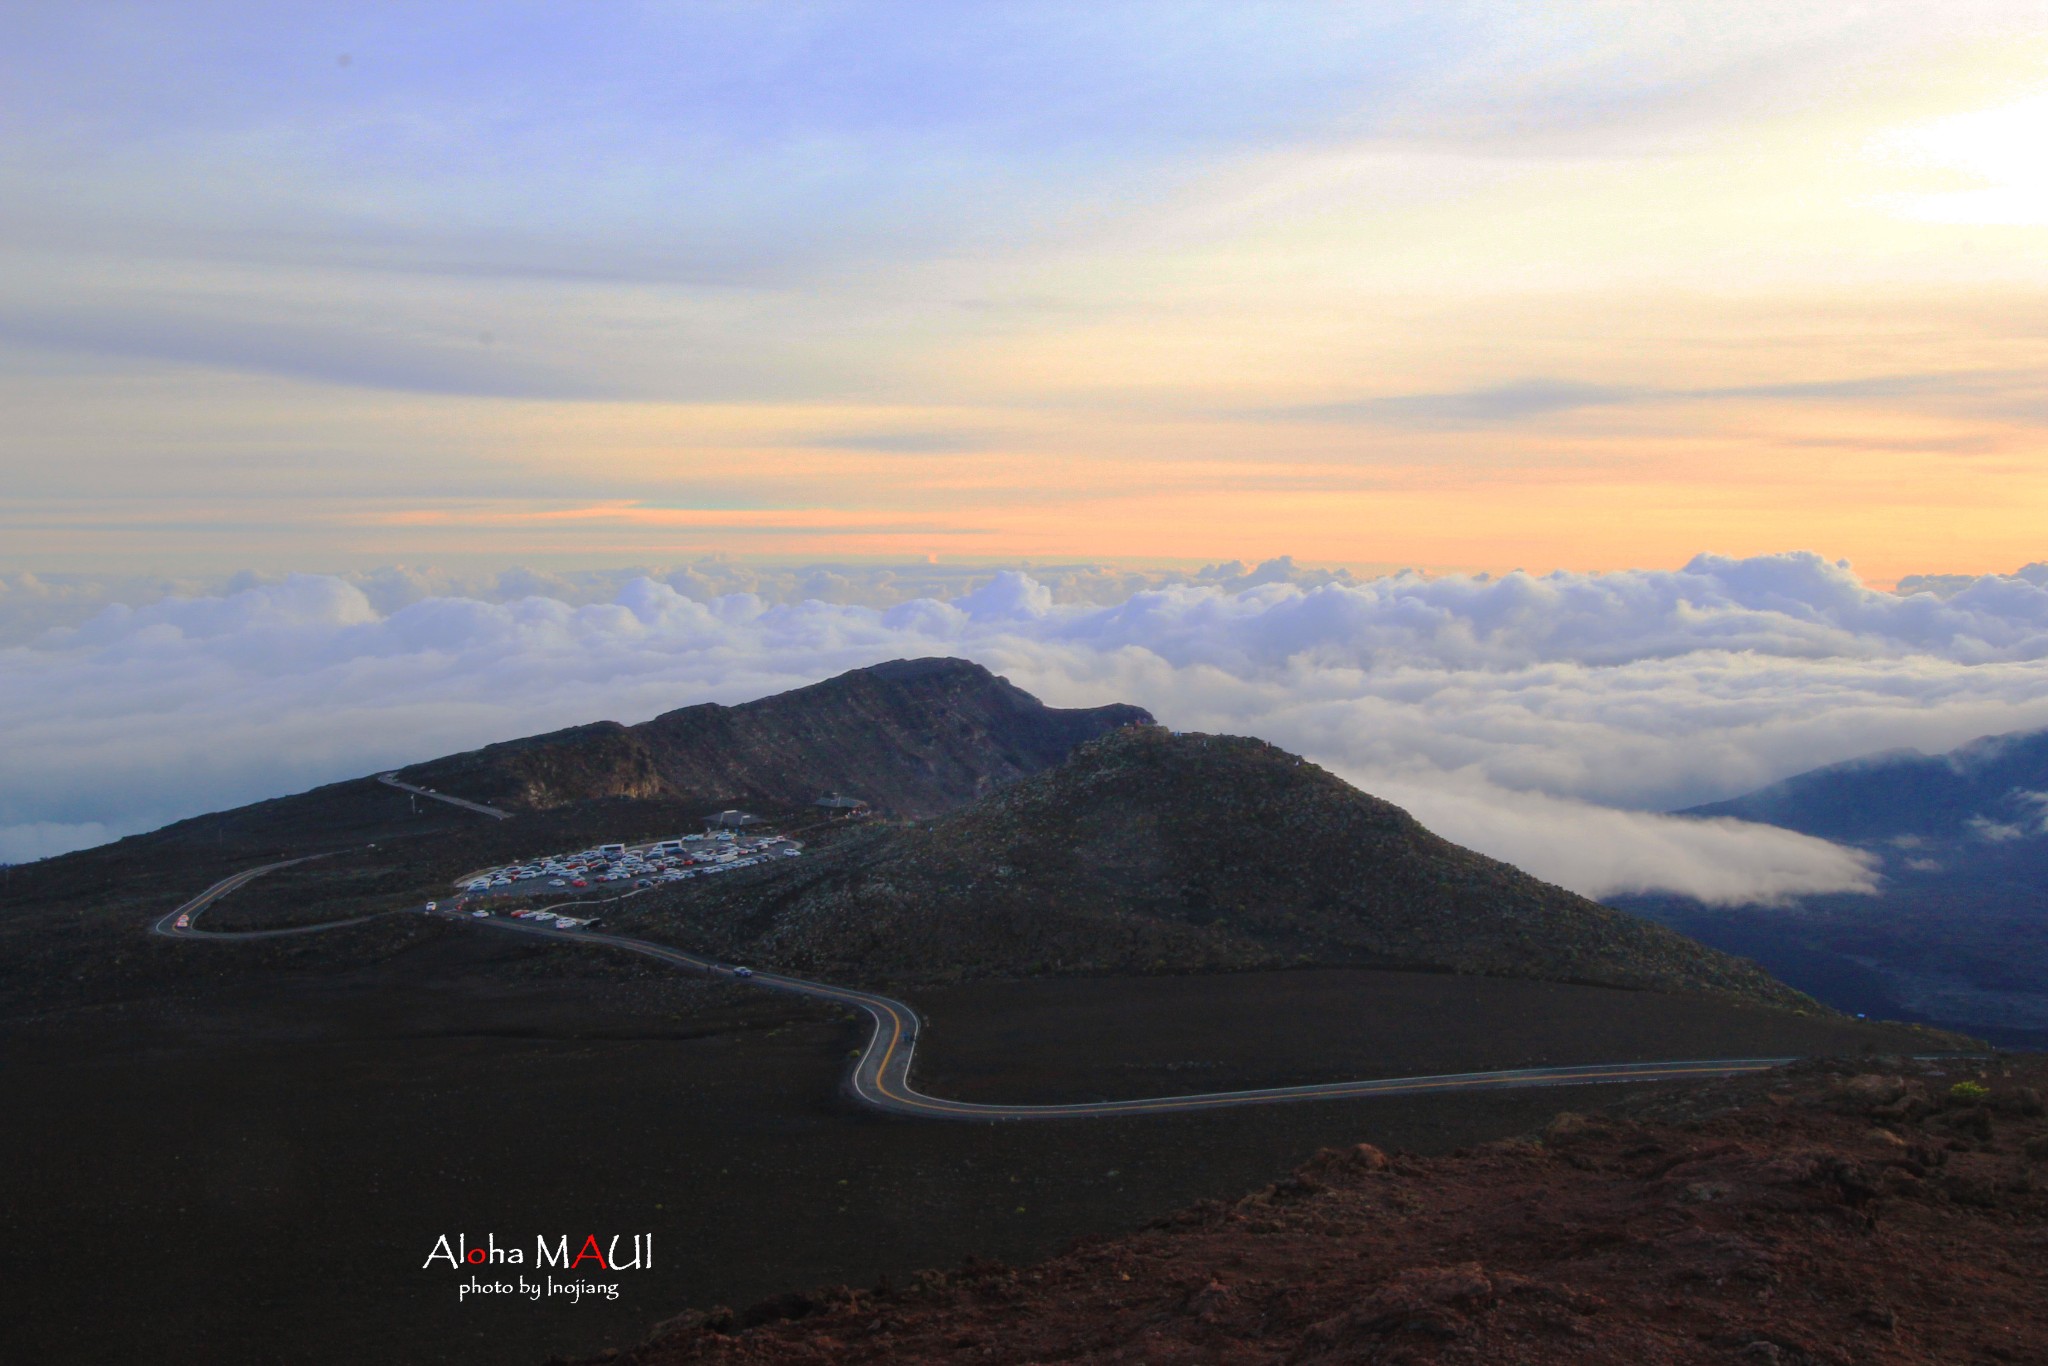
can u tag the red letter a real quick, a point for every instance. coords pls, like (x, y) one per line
(590, 1249)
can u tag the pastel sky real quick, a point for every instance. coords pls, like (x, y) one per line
(1450, 285)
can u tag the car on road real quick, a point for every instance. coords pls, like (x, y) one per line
(184, 922)
(480, 914)
(433, 905)
(743, 972)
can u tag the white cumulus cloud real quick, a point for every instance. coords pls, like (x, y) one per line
(1543, 720)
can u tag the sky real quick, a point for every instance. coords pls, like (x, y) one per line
(1548, 416)
(1450, 286)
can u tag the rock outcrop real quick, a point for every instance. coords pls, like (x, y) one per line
(912, 737)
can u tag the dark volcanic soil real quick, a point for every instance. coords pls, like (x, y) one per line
(253, 1170)
(1102, 1038)
(1822, 1217)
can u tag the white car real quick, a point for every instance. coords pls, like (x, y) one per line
(480, 914)
(433, 905)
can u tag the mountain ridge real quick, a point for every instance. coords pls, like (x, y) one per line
(913, 738)
(1957, 934)
(1994, 780)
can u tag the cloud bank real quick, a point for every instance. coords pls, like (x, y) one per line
(1543, 720)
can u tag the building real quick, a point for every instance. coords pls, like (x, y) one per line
(841, 807)
(730, 820)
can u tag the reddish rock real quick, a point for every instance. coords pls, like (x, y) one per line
(1767, 1221)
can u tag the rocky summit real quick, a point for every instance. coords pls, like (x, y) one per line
(911, 737)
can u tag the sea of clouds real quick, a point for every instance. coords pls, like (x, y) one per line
(1543, 720)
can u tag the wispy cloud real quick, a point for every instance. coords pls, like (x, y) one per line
(1102, 235)
(341, 352)
(898, 442)
(1467, 407)
(1521, 400)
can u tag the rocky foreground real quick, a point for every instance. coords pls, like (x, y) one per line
(1826, 1214)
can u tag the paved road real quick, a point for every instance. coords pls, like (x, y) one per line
(881, 1078)
(167, 925)
(391, 780)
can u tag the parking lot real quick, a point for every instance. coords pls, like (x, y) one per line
(623, 867)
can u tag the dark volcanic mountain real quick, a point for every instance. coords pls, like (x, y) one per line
(1958, 933)
(913, 737)
(1994, 784)
(1147, 851)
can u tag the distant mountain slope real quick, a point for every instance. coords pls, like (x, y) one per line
(1991, 784)
(1958, 935)
(1152, 852)
(912, 737)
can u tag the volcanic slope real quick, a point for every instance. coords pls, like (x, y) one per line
(1957, 933)
(1153, 852)
(1989, 786)
(912, 737)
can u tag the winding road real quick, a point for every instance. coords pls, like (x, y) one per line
(176, 923)
(881, 1077)
(391, 780)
